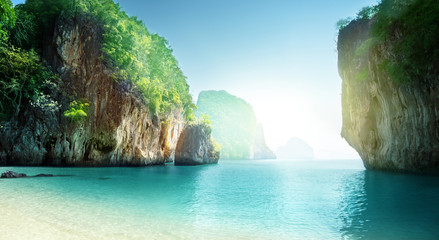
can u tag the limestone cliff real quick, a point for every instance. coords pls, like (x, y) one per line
(259, 149)
(119, 129)
(195, 146)
(234, 126)
(392, 126)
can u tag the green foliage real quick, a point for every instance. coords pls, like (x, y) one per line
(233, 122)
(189, 112)
(416, 45)
(216, 145)
(127, 41)
(143, 58)
(411, 27)
(7, 19)
(46, 12)
(342, 23)
(22, 80)
(129, 48)
(36, 19)
(78, 111)
(367, 12)
(389, 11)
(365, 47)
(24, 33)
(364, 14)
(394, 70)
(363, 75)
(205, 120)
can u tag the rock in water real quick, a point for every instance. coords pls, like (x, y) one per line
(43, 175)
(11, 174)
(392, 126)
(195, 146)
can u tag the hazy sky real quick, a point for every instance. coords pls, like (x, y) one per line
(278, 55)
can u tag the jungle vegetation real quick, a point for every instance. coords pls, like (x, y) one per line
(134, 54)
(412, 28)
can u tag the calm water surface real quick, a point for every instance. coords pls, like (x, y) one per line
(270, 199)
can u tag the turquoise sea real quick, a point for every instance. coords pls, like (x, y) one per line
(269, 199)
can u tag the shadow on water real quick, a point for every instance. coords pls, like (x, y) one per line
(378, 205)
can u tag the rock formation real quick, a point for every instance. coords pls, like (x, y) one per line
(195, 146)
(234, 126)
(11, 174)
(119, 129)
(392, 126)
(260, 150)
(295, 148)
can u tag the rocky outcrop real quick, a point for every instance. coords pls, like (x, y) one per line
(392, 126)
(119, 129)
(195, 147)
(11, 174)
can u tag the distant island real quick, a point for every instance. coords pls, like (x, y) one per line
(295, 149)
(234, 126)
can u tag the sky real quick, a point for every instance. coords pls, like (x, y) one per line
(278, 55)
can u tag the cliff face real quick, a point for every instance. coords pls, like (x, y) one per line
(392, 126)
(234, 126)
(119, 129)
(260, 149)
(195, 147)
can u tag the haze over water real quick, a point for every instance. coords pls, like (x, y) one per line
(268, 199)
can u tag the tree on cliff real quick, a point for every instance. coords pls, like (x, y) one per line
(7, 18)
(412, 28)
(23, 78)
(134, 54)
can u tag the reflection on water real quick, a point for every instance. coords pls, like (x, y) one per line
(232, 200)
(353, 205)
(379, 205)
